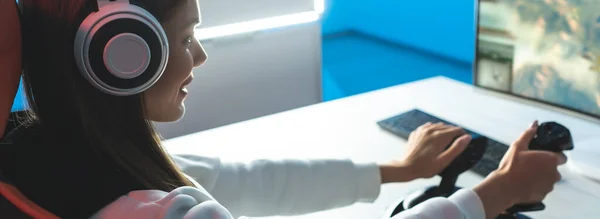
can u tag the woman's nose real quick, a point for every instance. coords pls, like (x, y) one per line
(199, 54)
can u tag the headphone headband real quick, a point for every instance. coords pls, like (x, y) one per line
(102, 3)
(121, 49)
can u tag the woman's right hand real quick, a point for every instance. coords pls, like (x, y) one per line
(523, 176)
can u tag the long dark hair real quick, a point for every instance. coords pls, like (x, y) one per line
(66, 106)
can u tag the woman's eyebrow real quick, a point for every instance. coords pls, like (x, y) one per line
(192, 22)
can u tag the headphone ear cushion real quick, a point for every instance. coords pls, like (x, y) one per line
(99, 42)
(121, 49)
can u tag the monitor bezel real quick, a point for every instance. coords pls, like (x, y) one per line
(543, 103)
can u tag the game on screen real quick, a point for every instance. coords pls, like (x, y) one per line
(548, 50)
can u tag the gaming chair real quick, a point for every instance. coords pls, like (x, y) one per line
(10, 59)
(10, 74)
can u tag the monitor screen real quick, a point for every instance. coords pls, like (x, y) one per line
(544, 50)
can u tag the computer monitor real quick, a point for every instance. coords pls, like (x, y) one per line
(542, 50)
(547, 51)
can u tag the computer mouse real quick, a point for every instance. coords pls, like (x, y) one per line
(552, 136)
(468, 158)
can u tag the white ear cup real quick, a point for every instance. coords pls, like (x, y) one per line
(126, 55)
(121, 49)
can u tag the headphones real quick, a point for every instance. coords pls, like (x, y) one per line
(121, 49)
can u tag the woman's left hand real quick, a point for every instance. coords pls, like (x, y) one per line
(426, 155)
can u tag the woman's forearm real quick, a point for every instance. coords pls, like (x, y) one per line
(393, 173)
(492, 195)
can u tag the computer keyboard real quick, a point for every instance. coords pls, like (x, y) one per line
(403, 124)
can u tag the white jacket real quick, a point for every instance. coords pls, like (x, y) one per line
(275, 187)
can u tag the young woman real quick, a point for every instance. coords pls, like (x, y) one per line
(83, 153)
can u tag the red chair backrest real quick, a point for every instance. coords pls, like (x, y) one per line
(10, 58)
(10, 74)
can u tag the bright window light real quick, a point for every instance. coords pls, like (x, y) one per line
(319, 6)
(256, 25)
(262, 24)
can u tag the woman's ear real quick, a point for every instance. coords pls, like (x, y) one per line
(10, 58)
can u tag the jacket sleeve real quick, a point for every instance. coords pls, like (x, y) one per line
(283, 187)
(196, 203)
(181, 203)
(464, 204)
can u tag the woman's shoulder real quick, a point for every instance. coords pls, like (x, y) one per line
(183, 202)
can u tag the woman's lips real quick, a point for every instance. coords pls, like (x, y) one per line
(187, 81)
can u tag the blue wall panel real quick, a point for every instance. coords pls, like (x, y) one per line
(440, 26)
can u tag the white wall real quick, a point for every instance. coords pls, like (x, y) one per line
(220, 12)
(251, 76)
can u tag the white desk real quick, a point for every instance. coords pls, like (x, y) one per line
(347, 128)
